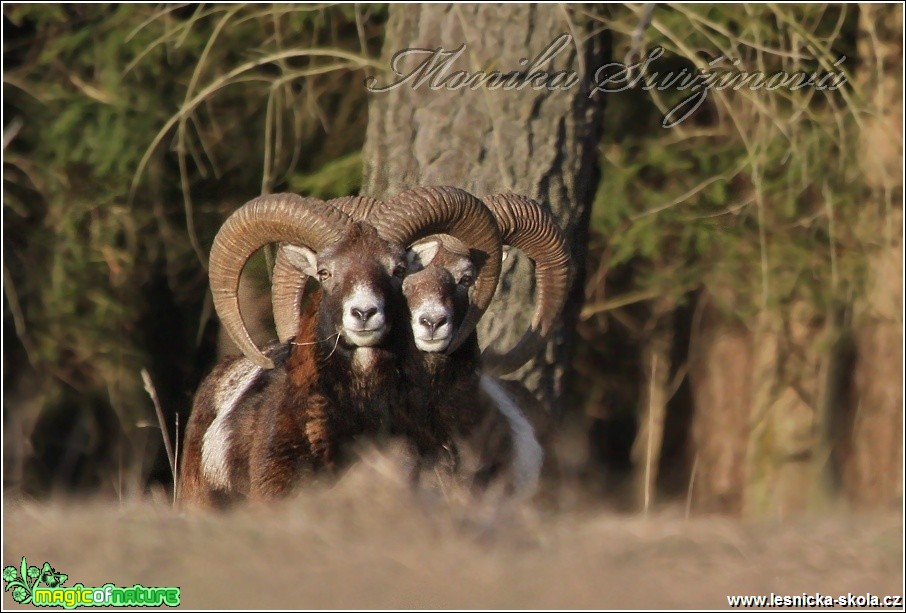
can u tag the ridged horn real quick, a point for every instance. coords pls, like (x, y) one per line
(526, 225)
(288, 284)
(288, 218)
(422, 211)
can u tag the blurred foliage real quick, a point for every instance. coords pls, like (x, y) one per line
(134, 130)
(759, 199)
(759, 192)
(340, 177)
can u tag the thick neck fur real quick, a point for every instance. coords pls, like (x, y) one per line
(359, 384)
(428, 397)
(441, 395)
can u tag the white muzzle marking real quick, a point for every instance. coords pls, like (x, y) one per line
(364, 320)
(431, 336)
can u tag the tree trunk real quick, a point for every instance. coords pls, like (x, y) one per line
(721, 356)
(872, 445)
(541, 142)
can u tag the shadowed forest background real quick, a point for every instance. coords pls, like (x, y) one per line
(739, 337)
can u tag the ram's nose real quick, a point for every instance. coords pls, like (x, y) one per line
(364, 319)
(432, 322)
(363, 314)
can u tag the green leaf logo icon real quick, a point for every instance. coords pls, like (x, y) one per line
(52, 578)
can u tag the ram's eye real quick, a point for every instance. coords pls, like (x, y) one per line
(400, 271)
(466, 280)
(323, 275)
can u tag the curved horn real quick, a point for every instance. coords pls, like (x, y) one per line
(288, 284)
(525, 224)
(421, 211)
(278, 217)
(359, 208)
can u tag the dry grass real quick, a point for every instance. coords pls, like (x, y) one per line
(368, 542)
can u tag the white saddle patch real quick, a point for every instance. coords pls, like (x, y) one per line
(527, 452)
(233, 384)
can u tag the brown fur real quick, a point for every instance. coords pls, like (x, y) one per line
(278, 430)
(292, 438)
(295, 421)
(446, 409)
(193, 488)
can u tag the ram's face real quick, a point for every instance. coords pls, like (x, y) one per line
(437, 295)
(360, 277)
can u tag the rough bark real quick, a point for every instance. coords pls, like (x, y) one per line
(871, 446)
(538, 142)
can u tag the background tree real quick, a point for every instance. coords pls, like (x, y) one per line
(537, 141)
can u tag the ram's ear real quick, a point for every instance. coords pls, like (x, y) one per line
(302, 258)
(421, 253)
(505, 253)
